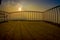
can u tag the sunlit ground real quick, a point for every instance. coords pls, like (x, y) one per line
(28, 30)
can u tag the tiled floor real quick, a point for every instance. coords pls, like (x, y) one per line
(28, 30)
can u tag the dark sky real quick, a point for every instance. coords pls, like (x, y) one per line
(37, 5)
(49, 2)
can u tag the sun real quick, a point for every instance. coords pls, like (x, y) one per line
(20, 9)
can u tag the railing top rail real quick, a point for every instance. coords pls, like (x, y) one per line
(20, 12)
(26, 11)
(52, 8)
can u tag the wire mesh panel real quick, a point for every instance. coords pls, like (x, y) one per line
(52, 15)
(58, 14)
(25, 15)
(3, 16)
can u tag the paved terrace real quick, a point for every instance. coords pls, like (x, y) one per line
(29, 30)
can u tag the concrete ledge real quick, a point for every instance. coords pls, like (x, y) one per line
(52, 23)
(27, 20)
(3, 22)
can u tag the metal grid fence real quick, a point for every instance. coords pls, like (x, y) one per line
(25, 15)
(52, 15)
(3, 16)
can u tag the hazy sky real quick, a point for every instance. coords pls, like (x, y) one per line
(28, 5)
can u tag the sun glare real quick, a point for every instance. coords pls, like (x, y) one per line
(19, 9)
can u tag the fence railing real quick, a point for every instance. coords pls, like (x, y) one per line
(52, 15)
(25, 15)
(2, 16)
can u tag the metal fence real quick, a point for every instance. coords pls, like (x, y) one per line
(3, 16)
(52, 15)
(25, 15)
